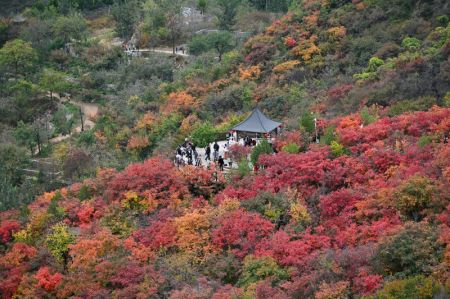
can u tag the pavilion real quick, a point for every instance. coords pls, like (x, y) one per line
(257, 123)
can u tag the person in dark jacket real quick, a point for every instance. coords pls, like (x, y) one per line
(216, 150)
(221, 163)
(208, 153)
(189, 156)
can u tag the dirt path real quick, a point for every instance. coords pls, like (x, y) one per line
(90, 112)
(158, 50)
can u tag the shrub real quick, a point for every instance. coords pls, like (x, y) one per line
(59, 240)
(86, 137)
(270, 205)
(243, 168)
(425, 140)
(374, 64)
(328, 135)
(262, 148)
(413, 196)
(420, 104)
(240, 231)
(204, 135)
(413, 287)
(412, 251)
(411, 44)
(337, 149)
(367, 116)
(259, 268)
(238, 152)
(307, 122)
(291, 148)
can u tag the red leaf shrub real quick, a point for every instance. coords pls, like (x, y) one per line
(7, 228)
(155, 179)
(240, 232)
(46, 280)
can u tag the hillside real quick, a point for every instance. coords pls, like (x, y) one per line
(369, 219)
(350, 201)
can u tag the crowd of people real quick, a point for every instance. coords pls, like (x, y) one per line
(187, 154)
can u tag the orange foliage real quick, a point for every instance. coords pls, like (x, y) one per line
(193, 233)
(139, 251)
(251, 73)
(360, 5)
(86, 253)
(311, 20)
(18, 254)
(286, 66)
(188, 123)
(138, 142)
(335, 290)
(337, 32)
(197, 88)
(179, 102)
(146, 121)
(221, 84)
(351, 121)
(307, 49)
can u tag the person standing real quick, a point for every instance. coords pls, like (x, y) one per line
(189, 156)
(221, 163)
(208, 153)
(197, 160)
(216, 150)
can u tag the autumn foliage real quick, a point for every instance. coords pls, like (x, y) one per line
(307, 225)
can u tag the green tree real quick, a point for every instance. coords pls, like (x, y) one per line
(8, 190)
(227, 12)
(71, 27)
(173, 21)
(126, 15)
(262, 148)
(270, 5)
(307, 122)
(367, 116)
(202, 5)
(24, 135)
(198, 45)
(63, 121)
(204, 134)
(221, 42)
(54, 82)
(329, 135)
(12, 160)
(23, 93)
(17, 57)
(4, 27)
(374, 64)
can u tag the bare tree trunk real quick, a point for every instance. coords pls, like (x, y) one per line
(173, 44)
(38, 141)
(82, 122)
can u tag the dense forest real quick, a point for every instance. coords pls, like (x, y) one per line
(352, 200)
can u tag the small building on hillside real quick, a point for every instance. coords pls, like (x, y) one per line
(257, 123)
